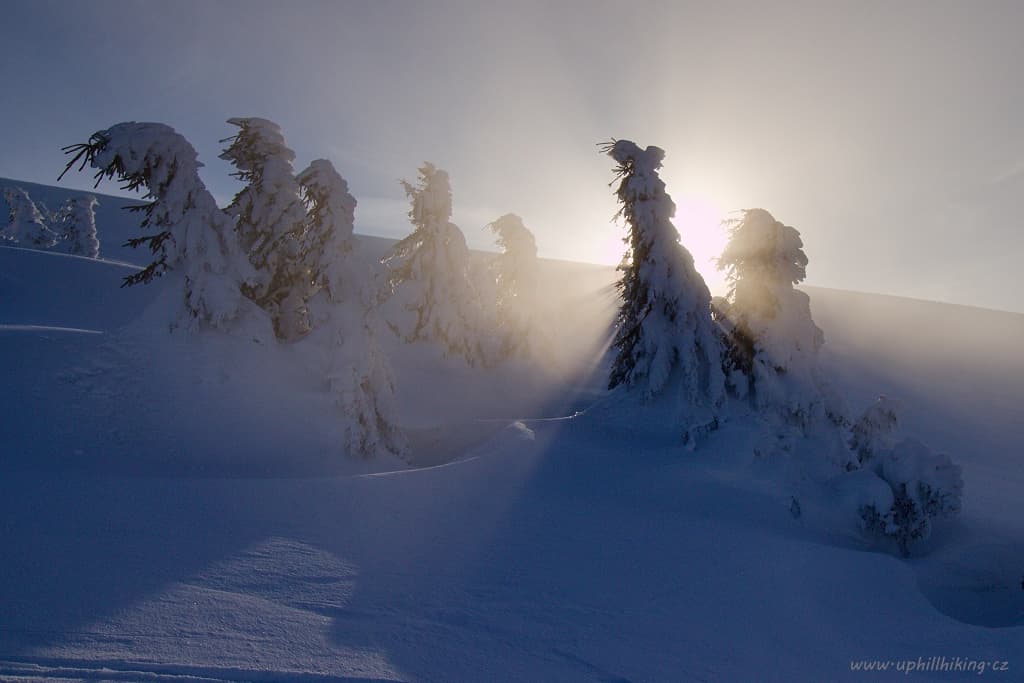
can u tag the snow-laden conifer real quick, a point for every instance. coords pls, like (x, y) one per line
(76, 224)
(515, 277)
(26, 226)
(189, 234)
(429, 270)
(770, 321)
(343, 314)
(269, 219)
(664, 331)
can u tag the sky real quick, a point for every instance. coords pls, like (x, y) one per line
(888, 133)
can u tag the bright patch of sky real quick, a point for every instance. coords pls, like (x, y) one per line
(888, 134)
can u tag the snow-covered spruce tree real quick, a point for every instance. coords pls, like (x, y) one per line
(26, 226)
(515, 275)
(664, 331)
(772, 335)
(76, 222)
(343, 314)
(190, 235)
(328, 239)
(429, 269)
(925, 485)
(269, 219)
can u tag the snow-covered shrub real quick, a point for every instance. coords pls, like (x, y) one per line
(429, 268)
(343, 314)
(76, 223)
(664, 331)
(515, 277)
(26, 226)
(190, 234)
(924, 485)
(771, 333)
(269, 219)
(874, 431)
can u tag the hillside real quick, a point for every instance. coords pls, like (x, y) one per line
(178, 510)
(114, 223)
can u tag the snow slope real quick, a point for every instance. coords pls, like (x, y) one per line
(177, 511)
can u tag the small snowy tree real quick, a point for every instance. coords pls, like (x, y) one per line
(26, 226)
(190, 234)
(77, 226)
(873, 432)
(515, 274)
(772, 334)
(343, 312)
(431, 268)
(664, 329)
(269, 219)
(328, 237)
(925, 486)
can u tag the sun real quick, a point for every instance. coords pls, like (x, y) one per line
(699, 221)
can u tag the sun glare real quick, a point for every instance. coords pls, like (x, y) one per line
(699, 221)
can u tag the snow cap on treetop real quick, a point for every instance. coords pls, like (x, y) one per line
(513, 235)
(432, 200)
(265, 137)
(329, 193)
(643, 160)
(137, 145)
(759, 238)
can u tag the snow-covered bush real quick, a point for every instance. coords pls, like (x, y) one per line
(26, 226)
(76, 224)
(924, 485)
(269, 219)
(343, 314)
(772, 337)
(874, 431)
(515, 277)
(429, 270)
(664, 331)
(190, 234)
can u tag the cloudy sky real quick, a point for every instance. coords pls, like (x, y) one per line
(889, 134)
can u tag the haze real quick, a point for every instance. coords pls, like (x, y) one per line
(888, 134)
